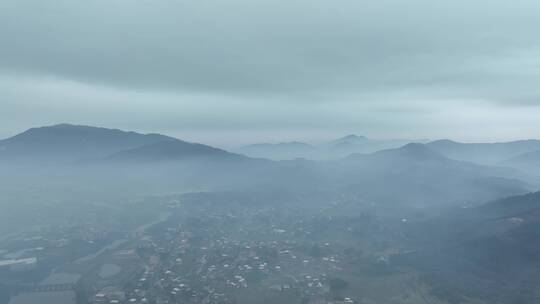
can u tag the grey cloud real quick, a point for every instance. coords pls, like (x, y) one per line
(272, 47)
(295, 69)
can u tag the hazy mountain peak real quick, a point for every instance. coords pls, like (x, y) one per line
(67, 142)
(415, 147)
(351, 138)
(64, 131)
(444, 142)
(415, 151)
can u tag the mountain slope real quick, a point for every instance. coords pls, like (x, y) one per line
(172, 150)
(525, 206)
(417, 175)
(527, 162)
(68, 143)
(490, 252)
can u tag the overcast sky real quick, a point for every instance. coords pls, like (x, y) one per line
(230, 72)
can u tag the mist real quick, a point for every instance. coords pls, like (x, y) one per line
(266, 152)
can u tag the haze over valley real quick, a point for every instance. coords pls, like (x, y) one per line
(429, 222)
(269, 152)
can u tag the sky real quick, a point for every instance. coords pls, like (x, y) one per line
(233, 72)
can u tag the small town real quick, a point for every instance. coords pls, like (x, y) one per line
(203, 249)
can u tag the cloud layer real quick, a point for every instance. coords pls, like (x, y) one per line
(280, 68)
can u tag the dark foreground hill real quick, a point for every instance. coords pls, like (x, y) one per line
(490, 252)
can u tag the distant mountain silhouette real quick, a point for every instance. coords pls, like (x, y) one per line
(412, 151)
(66, 143)
(415, 173)
(527, 162)
(349, 139)
(360, 144)
(333, 149)
(484, 153)
(279, 151)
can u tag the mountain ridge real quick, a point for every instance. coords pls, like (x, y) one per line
(67, 143)
(484, 153)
